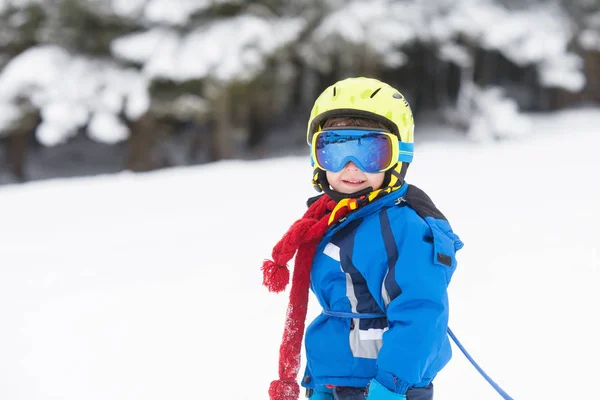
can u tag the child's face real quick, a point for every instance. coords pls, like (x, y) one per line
(351, 179)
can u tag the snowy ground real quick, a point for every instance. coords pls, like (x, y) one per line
(149, 287)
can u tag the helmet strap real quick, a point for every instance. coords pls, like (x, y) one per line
(392, 171)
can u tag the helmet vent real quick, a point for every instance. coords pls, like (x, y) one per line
(374, 93)
(334, 92)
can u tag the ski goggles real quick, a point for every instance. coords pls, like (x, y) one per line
(371, 150)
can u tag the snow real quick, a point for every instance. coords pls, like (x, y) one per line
(137, 101)
(5, 4)
(148, 286)
(60, 119)
(173, 12)
(538, 35)
(36, 67)
(563, 71)
(457, 54)
(165, 12)
(382, 25)
(486, 113)
(128, 8)
(105, 127)
(496, 116)
(472, 18)
(225, 50)
(140, 46)
(590, 39)
(178, 47)
(70, 90)
(9, 115)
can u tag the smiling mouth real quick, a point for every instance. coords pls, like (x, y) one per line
(353, 182)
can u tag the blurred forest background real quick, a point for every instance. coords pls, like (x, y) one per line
(100, 86)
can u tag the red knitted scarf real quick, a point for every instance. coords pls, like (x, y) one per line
(303, 237)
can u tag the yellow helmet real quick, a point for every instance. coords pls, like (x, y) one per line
(363, 98)
(370, 99)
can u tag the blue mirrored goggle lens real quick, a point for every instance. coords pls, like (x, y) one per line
(371, 151)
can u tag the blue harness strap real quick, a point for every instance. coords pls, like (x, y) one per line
(478, 368)
(496, 387)
(352, 315)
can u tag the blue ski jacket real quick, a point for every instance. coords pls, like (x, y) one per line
(381, 277)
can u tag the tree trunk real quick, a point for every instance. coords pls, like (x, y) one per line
(18, 144)
(256, 126)
(140, 144)
(592, 72)
(370, 67)
(439, 83)
(199, 141)
(464, 101)
(221, 146)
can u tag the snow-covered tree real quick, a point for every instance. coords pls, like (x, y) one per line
(20, 23)
(368, 37)
(586, 18)
(69, 77)
(137, 70)
(220, 45)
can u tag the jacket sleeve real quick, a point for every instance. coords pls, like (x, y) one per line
(415, 292)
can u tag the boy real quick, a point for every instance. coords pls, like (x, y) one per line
(375, 251)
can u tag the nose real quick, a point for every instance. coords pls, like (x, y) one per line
(351, 166)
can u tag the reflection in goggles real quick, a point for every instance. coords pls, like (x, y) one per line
(371, 151)
(336, 138)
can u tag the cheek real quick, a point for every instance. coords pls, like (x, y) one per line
(376, 180)
(332, 176)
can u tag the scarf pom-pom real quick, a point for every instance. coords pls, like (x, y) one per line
(275, 277)
(280, 390)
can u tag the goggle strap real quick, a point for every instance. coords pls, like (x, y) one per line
(406, 153)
